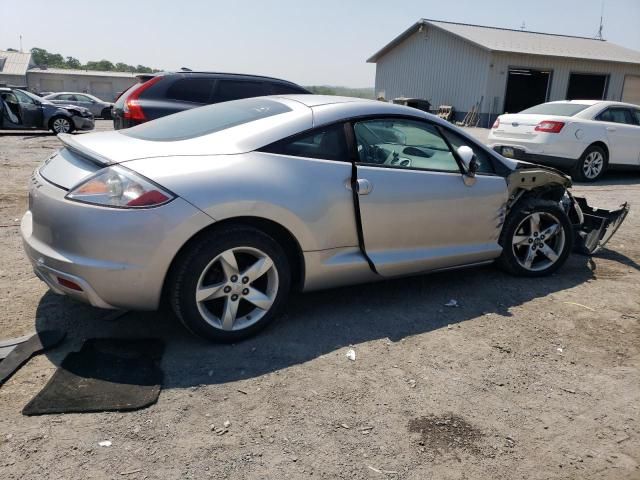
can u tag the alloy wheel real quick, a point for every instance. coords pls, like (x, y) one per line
(538, 241)
(593, 164)
(237, 288)
(61, 125)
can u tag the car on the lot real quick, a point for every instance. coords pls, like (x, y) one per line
(21, 109)
(99, 108)
(162, 94)
(223, 209)
(584, 137)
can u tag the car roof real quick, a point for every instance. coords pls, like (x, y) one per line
(220, 74)
(604, 103)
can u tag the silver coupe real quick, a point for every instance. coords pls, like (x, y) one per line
(224, 209)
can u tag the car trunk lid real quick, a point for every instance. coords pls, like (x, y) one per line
(523, 126)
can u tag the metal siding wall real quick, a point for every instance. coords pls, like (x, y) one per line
(81, 83)
(562, 68)
(437, 66)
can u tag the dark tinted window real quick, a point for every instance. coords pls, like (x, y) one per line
(196, 90)
(328, 143)
(616, 115)
(636, 113)
(561, 109)
(197, 122)
(236, 89)
(282, 89)
(485, 165)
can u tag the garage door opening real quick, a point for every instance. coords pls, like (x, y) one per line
(585, 86)
(631, 89)
(525, 88)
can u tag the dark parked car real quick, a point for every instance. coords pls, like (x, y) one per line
(156, 96)
(20, 109)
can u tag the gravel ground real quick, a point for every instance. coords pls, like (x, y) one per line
(531, 379)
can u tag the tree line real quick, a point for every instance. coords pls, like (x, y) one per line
(43, 58)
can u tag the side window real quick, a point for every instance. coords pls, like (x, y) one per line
(282, 89)
(485, 165)
(22, 98)
(636, 114)
(401, 143)
(194, 90)
(325, 143)
(616, 115)
(83, 98)
(236, 89)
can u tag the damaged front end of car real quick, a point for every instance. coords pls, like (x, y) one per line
(593, 227)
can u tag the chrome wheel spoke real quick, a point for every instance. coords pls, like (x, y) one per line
(531, 255)
(520, 239)
(229, 313)
(259, 299)
(229, 263)
(548, 252)
(255, 271)
(204, 294)
(534, 223)
(550, 231)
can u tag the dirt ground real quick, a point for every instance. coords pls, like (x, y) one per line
(526, 379)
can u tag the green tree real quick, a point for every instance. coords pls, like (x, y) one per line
(103, 65)
(72, 62)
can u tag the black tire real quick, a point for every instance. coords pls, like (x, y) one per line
(580, 170)
(511, 258)
(60, 118)
(106, 113)
(200, 257)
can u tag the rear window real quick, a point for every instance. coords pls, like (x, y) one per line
(195, 90)
(562, 109)
(205, 120)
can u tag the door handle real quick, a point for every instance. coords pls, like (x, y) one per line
(363, 186)
(611, 129)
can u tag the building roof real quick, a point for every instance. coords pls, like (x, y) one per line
(15, 63)
(524, 42)
(92, 73)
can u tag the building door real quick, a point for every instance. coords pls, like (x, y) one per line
(586, 86)
(51, 85)
(525, 88)
(102, 90)
(631, 89)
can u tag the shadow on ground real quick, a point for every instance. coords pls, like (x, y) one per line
(316, 323)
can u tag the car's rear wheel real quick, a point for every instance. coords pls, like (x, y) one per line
(591, 165)
(536, 239)
(61, 125)
(230, 284)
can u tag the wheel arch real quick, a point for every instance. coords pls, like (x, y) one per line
(278, 232)
(60, 115)
(601, 144)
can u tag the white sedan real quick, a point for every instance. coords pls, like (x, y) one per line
(584, 137)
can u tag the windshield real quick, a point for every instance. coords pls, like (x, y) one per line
(561, 109)
(205, 120)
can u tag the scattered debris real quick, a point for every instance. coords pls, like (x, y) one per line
(385, 472)
(243, 392)
(502, 348)
(452, 303)
(580, 305)
(559, 349)
(446, 432)
(104, 443)
(227, 424)
(568, 390)
(131, 472)
(351, 354)
(344, 425)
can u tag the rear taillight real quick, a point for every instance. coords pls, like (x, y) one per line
(549, 126)
(496, 124)
(132, 108)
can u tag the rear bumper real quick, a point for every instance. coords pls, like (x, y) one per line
(550, 160)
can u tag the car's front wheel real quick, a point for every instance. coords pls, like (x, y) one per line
(536, 239)
(230, 284)
(61, 125)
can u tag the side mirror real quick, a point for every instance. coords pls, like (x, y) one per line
(468, 160)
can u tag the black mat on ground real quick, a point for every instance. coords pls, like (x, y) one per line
(24, 350)
(107, 374)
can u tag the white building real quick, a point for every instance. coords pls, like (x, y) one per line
(18, 69)
(502, 70)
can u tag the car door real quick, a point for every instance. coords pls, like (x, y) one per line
(418, 211)
(623, 134)
(30, 112)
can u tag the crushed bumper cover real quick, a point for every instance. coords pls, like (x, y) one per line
(596, 226)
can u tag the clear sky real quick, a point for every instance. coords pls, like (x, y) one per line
(322, 42)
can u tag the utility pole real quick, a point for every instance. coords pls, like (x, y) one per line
(599, 35)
